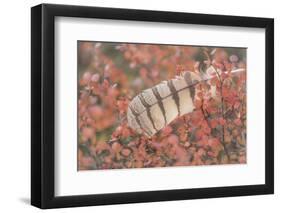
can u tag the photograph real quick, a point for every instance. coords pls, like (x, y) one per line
(160, 105)
(141, 105)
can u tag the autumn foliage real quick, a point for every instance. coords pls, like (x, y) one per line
(111, 74)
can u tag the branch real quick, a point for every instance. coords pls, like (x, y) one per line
(222, 114)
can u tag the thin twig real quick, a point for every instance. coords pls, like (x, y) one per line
(223, 117)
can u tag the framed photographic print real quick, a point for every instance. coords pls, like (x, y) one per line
(139, 106)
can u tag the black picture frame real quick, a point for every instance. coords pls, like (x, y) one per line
(43, 105)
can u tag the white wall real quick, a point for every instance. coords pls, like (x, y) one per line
(15, 105)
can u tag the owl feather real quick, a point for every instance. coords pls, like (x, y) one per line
(156, 107)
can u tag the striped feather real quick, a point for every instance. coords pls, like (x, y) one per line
(156, 107)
